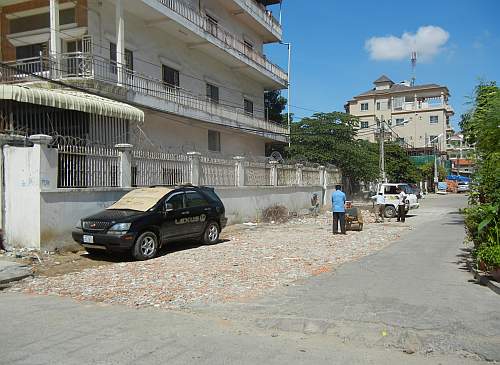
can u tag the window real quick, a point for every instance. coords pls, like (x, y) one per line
(400, 141)
(248, 104)
(248, 47)
(433, 119)
(390, 189)
(364, 124)
(213, 93)
(400, 121)
(170, 76)
(31, 50)
(129, 58)
(364, 107)
(398, 103)
(214, 141)
(176, 200)
(378, 105)
(212, 25)
(433, 139)
(40, 21)
(195, 199)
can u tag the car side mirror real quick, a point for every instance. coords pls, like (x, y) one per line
(169, 207)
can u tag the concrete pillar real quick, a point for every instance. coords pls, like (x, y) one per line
(300, 178)
(194, 159)
(239, 170)
(274, 173)
(323, 176)
(55, 39)
(125, 164)
(120, 43)
(29, 172)
(46, 160)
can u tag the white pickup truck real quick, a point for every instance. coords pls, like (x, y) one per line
(390, 193)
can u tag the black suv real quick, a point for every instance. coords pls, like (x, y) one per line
(145, 219)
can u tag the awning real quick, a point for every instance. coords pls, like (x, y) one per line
(72, 100)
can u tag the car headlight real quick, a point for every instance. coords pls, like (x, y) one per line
(119, 228)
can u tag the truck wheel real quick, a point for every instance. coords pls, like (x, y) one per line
(389, 211)
(211, 234)
(146, 246)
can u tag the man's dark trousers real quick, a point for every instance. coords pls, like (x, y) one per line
(401, 213)
(338, 216)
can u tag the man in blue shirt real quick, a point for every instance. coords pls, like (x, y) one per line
(338, 209)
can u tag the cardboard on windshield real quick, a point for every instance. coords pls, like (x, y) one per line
(141, 199)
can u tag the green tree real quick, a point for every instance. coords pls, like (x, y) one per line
(481, 127)
(274, 104)
(398, 165)
(329, 138)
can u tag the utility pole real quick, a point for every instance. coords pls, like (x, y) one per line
(382, 153)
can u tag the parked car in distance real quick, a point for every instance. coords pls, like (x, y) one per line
(390, 192)
(463, 187)
(416, 190)
(144, 219)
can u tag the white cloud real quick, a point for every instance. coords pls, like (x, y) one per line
(428, 41)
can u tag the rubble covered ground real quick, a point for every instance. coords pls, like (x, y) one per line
(250, 260)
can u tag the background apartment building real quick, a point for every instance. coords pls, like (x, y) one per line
(194, 68)
(417, 115)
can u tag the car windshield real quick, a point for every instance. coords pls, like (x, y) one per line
(141, 199)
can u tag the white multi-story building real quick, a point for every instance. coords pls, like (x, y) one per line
(417, 115)
(194, 68)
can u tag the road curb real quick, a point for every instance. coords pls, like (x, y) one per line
(483, 279)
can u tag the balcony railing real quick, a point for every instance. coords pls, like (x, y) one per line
(216, 31)
(427, 103)
(259, 11)
(88, 66)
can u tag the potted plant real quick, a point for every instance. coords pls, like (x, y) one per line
(490, 256)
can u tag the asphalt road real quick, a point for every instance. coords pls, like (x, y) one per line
(410, 303)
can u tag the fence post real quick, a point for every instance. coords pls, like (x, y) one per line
(194, 159)
(274, 173)
(322, 176)
(125, 164)
(300, 176)
(239, 170)
(47, 161)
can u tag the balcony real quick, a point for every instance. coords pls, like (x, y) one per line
(100, 75)
(258, 17)
(199, 32)
(428, 103)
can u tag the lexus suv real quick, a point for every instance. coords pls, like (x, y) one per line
(145, 219)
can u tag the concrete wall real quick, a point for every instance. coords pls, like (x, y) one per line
(247, 203)
(165, 131)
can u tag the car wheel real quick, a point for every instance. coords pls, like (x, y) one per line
(360, 227)
(389, 211)
(146, 246)
(211, 234)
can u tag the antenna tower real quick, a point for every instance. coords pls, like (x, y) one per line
(413, 67)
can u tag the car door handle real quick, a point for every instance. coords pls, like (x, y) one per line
(207, 209)
(184, 213)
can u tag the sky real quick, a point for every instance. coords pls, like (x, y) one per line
(340, 47)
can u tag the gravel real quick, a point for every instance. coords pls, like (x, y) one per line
(250, 261)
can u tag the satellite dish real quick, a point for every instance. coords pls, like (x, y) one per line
(276, 156)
